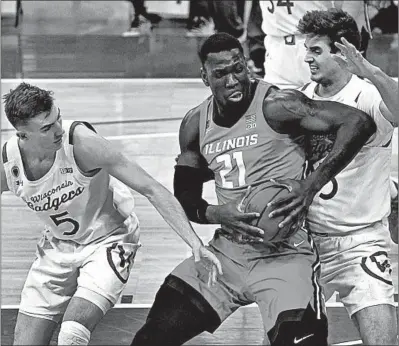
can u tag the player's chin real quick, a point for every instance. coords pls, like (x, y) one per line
(315, 76)
(58, 145)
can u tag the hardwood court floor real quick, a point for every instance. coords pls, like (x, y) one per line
(143, 118)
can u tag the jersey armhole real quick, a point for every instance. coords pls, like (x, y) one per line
(4, 153)
(70, 139)
(305, 86)
(73, 126)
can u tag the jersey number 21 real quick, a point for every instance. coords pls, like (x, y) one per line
(228, 160)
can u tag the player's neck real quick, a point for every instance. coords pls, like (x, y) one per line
(334, 86)
(35, 153)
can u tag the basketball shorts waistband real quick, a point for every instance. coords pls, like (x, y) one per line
(374, 225)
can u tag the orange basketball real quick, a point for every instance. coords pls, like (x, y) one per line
(257, 201)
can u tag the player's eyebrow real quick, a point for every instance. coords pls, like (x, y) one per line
(45, 127)
(222, 69)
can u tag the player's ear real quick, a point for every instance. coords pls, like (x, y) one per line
(204, 76)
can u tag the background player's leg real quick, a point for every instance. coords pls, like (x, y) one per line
(31, 330)
(377, 324)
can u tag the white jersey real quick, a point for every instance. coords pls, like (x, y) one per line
(73, 206)
(281, 17)
(360, 194)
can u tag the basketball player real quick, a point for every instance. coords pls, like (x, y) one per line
(349, 215)
(284, 61)
(61, 170)
(244, 133)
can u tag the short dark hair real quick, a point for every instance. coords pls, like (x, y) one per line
(333, 23)
(25, 102)
(218, 42)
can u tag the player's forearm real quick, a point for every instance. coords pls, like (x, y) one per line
(350, 138)
(187, 184)
(173, 213)
(387, 87)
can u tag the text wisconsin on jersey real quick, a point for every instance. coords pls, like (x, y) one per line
(56, 201)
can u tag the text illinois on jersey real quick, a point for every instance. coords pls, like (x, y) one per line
(232, 143)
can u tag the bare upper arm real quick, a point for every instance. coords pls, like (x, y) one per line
(190, 154)
(291, 111)
(93, 151)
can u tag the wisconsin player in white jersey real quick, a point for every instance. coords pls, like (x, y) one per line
(349, 215)
(62, 171)
(284, 61)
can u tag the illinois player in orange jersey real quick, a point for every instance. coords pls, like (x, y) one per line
(61, 170)
(349, 215)
(247, 132)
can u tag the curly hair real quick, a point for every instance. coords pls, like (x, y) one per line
(333, 23)
(25, 102)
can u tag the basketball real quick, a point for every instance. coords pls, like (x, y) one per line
(257, 201)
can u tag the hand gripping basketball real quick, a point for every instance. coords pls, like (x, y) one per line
(258, 201)
(294, 206)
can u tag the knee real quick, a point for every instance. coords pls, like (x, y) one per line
(73, 333)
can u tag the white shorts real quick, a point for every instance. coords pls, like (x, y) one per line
(284, 63)
(357, 266)
(62, 268)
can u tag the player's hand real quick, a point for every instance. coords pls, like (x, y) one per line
(352, 60)
(201, 252)
(235, 219)
(295, 205)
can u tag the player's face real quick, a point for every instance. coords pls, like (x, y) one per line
(44, 130)
(227, 75)
(323, 68)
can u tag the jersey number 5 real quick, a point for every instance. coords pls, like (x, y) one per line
(58, 219)
(280, 3)
(227, 160)
(308, 169)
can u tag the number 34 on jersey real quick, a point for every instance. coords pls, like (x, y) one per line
(280, 3)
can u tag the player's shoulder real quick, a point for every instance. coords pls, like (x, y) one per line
(279, 97)
(192, 117)
(360, 84)
(78, 130)
(364, 91)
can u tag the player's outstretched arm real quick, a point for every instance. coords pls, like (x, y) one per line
(93, 151)
(191, 172)
(291, 112)
(353, 60)
(4, 185)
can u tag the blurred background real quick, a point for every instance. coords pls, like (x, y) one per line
(143, 39)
